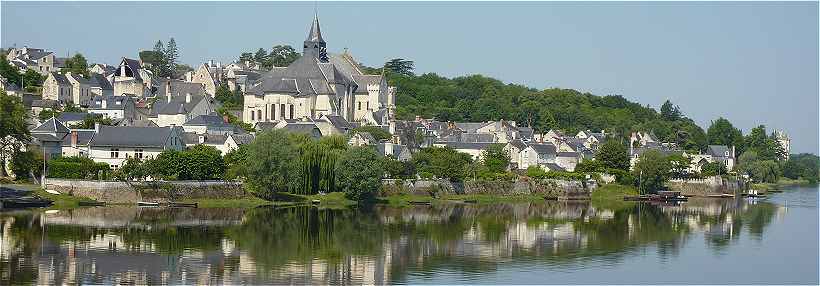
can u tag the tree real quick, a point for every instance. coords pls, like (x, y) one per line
(274, 167)
(652, 169)
(91, 120)
(721, 132)
(9, 72)
(235, 162)
(396, 169)
(261, 57)
(377, 132)
(496, 159)
(246, 57)
(442, 162)
(282, 55)
(28, 163)
(758, 168)
(802, 166)
(132, 169)
(679, 165)
(13, 127)
(713, 169)
(358, 174)
(590, 166)
(669, 111)
(157, 60)
(612, 154)
(32, 78)
(171, 56)
(767, 148)
(400, 66)
(77, 65)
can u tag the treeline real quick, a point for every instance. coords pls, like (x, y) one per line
(279, 56)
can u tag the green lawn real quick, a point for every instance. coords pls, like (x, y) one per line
(611, 196)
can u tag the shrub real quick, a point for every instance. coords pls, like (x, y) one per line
(77, 168)
(25, 163)
(357, 175)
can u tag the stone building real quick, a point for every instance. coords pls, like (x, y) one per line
(316, 84)
(131, 78)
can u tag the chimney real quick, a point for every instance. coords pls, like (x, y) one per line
(188, 97)
(74, 138)
(96, 127)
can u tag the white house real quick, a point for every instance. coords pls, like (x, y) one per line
(114, 107)
(114, 144)
(539, 154)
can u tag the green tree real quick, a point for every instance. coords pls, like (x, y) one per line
(246, 57)
(802, 166)
(203, 162)
(713, 169)
(235, 162)
(722, 132)
(8, 71)
(377, 132)
(132, 169)
(496, 159)
(396, 169)
(25, 164)
(442, 162)
(758, 168)
(653, 170)
(13, 127)
(669, 111)
(261, 57)
(171, 56)
(76, 65)
(679, 165)
(274, 167)
(282, 55)
(32, 78)
(400, 66)
(590, 166)
(359, 174)
(613, 154)
(766, 147)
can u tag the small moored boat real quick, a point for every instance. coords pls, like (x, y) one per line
(148, 204)
(182, 205)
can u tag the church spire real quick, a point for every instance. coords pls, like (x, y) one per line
(315, 46)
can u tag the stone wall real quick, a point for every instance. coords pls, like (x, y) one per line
(546, 187)
(703, 187)
(132, 192)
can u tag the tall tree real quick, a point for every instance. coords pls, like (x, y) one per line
(13, 127)
(261, 57)
(496, 159)
(400, 66)
(171, 56)
(653, 170)
(76, 65)
(613, 154)
(8, 71)
(246, 57)
(359, 173)
(283, 55)
(721, 132)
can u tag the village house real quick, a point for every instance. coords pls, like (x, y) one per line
(80, 89)
(114, 144)
(398, 152)
(113, 107)
(208, 124)
(49, 137)
(316, 84)
(475, 150)
(333, 125)
(178, 102)
(99, 85)
(306, 127)
(362, 139)
(39, 105)
(72, 118)
(39, 60)
(539, 154)
(514, 148)
(240, 79)
(57, 87)
(76, 143)
(131, 78)
(207, 74)
(102, 69)
(225, 143)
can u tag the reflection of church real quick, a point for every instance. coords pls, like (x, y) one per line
(316, 84)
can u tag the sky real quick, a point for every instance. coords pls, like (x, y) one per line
(750, 62)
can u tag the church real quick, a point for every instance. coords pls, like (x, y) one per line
(319, 84)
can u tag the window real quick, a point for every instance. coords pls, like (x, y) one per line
(282, 111)
(138, 153)
(368, 105)
(115, 153)
(291, 112)
(360, 105)
(252, 115)
(259, 114)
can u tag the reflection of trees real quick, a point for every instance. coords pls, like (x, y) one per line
(306, 244)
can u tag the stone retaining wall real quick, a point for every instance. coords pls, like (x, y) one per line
(707, 186)
(132, 192)
(546, 187)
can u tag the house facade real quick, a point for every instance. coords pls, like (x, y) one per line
(114, 144)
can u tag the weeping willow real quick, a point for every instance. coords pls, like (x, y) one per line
(317, 160)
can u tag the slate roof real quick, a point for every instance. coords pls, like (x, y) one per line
(302, 127)
(566, 154)
(465, 145)
(208, 120)
(367, 136)
(525, 132)
(242, 139)
(718, 150)
(45, 103)
(60, 78)
(134, 65)
(544, 148)
(190, 138)
(517, 143)
(36, 54)
(43, 137)
(138, 123)
(338, 121)
(122, 136)
(178, 89)
(177, 105)
(72, 116)
(110, 102)
(263, 126)
(51, 126)
(554, 167)
(83, 137)
(98, 80)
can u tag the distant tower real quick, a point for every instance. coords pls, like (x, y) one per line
(315, 46)
(784, 141)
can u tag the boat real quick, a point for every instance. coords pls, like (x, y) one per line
(24, 202)
(53, 192)
(148, 204)
(668, 196)
(720, 195)
(471, 201)
(182, 205)
(90, 203)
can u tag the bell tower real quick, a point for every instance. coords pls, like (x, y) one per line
(314, 45)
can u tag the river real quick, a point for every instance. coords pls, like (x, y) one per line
(770, 240)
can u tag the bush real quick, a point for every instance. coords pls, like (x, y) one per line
(77, 168)
(622, 177)
(590, 166)
(539, 173)
(25, 163)
(442, 162)
(357, 175)
(377, 132)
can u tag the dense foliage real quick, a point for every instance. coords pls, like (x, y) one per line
(275, 165)
(652, 170)
(76, 65)
(229, 99)
(76, 168)
(25, 164)
(377, 132)
(613, 155)
(279, 56)
(13, 127)
(200, 162)
(359, 173)
(442, 162)
(802, 166)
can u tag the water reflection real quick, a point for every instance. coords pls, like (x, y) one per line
(351, 246)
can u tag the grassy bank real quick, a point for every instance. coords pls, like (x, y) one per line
(611, 196)
(61, 201)
(781, 183)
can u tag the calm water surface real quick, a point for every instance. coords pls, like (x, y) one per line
(763, 241)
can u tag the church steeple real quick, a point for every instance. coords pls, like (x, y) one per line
(315, 46)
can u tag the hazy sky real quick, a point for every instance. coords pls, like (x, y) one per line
(753, 63)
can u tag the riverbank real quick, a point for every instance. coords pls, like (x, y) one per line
(781, 184)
